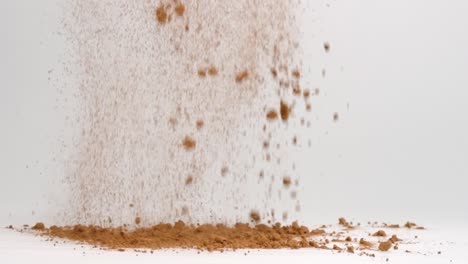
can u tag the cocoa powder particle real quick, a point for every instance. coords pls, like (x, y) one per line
(254, 216)
(189, 143)
(296, 74)
(272, 115)
(342, 221)
(410, 225)
(180, 9)
(335, 247)
(326, 46)
(365, 243)
(200, 124)
(394, 239)
(284, 111)
(385, 246)
(335, 117)
(380, 233)
(201, 73)
(161, 15)
(297, 91)
(240, 77)
(224, 171)
(137, 220)
(274, 73)
(189, 180)
(287, 181)
(38, 226)
(212, 71)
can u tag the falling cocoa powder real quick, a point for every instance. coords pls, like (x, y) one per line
(287, 181)
(137, 220)
(212, 71)
(189, 180)
(128, 153)
(284, 111)
(161, 15)
(189, 143)
(335, 117)
(296, 74)
(201, 73)
(255, 216)
(180, 9)
(272, 115)
(241, 76)
(274, 73)
(200, 124)
(326, 46)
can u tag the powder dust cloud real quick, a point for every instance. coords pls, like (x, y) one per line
(187, 110)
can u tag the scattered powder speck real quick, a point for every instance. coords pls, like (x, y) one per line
(241, 76)
(161, 14)
(189, 143)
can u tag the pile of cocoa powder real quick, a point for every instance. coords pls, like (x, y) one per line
(344, 237)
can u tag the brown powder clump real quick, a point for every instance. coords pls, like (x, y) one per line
(189, 180)
(326, 46)
(200, 124)
(137, 220)
(189, 143)
(335, 247)
(240, 77)
(342, 221)
(201, 73)
(350, 249)
(296, 74)
(297, 91)
(385, 246)
(287, 181)
(410, 225)
(255, 216)
(394, 239)
(380, 233)
(212, 71)
(179, 9)
(224, 171)
(365, 243)
(38, 226)
(284, 111)
(336, 117)
(272, 115)
(161, 15)
(274, 73)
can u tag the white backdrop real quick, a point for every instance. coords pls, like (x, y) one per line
(397, 73)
